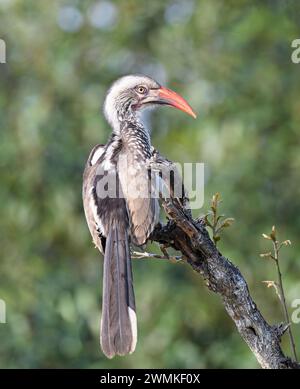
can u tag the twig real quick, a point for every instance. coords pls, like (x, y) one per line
(282, 299)
(142, 255)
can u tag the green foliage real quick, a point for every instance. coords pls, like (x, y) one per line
(231, 60)
(216, 222)
(278, 286)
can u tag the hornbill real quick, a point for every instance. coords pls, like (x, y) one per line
(129, 214)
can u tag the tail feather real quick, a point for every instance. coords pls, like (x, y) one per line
(118, 324)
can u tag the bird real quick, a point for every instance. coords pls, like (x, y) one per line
(127, 215)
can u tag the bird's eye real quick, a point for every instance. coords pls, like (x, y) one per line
(142, 90)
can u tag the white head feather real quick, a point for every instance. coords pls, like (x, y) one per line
(118, 90)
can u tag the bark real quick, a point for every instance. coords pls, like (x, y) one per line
(191, 238)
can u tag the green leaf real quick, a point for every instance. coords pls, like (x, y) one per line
(266, 255)
(273, 234)
(266, 236)
(227, 222)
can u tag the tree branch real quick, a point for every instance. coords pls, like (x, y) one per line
(191, 238)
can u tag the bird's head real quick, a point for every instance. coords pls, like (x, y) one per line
(131, 94)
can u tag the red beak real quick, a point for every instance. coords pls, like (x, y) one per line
(169, 97)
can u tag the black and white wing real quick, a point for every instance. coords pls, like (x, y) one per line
(108, 223)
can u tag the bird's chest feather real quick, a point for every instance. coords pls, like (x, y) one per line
(137, 186)
(133, 172)
(136, 143)
(133, 161)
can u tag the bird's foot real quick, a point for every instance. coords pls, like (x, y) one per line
(171, 258)
(145, 255)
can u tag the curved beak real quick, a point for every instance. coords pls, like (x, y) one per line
(166, 96)
(169, 97)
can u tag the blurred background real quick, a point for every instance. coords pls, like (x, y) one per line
(232, 61)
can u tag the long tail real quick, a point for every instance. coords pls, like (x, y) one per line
(118, 324)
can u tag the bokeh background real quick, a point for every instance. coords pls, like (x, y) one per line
(232, 61)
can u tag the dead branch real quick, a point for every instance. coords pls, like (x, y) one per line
(191, 238)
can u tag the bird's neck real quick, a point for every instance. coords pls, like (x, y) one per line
(122, 115)
(132, 132)
(136, 138)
